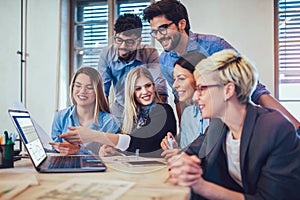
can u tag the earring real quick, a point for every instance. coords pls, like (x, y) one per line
(225, 99)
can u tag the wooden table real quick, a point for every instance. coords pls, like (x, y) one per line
(149, 181)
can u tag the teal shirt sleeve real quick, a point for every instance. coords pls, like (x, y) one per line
(192, 125)
(56, 128)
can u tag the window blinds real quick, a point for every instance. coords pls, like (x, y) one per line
(289, 41)
(91, 28)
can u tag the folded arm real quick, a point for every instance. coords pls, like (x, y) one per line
(185, 170)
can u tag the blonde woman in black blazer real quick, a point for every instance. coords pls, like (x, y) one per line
(248, 152)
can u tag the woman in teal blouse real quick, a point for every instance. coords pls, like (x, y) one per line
(90, 109)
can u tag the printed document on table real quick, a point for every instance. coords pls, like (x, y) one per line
(77, 189)
(13, 184)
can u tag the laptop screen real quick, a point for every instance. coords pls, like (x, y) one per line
(29, 136)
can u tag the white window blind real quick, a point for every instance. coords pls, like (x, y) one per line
(91, 27)
(138, 8)
(288, 49)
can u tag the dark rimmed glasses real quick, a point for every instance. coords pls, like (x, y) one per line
(162, 29)
(128, 42)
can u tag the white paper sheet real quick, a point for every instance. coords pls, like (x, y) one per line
(77, 189)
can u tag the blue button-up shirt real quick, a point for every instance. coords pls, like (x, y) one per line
(68, 117)
(192, 125)
(207, 45)
(114, 71)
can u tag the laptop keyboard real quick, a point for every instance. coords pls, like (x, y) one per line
(65, 162)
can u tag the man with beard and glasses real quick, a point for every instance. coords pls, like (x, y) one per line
(171, 28)
(126, 53)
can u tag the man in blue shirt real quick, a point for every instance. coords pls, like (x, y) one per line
(171, 28)
(126, 53)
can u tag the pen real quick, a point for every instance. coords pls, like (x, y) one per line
(2, 193)
(170, 142)
(13, 137)
(5, 137)
(137, 151)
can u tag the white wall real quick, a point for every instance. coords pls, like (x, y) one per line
(42, 61)
(247, 25)
(9, 60)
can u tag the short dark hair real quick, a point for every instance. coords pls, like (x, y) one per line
(173, 10)
(190, 60)
(129, 24)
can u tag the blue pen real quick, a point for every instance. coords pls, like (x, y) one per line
(170, 142)
(5, 137)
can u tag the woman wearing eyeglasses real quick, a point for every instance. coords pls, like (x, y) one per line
(90, 109)
(146, 120)
(254, 155)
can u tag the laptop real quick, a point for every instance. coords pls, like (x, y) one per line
(50, 163)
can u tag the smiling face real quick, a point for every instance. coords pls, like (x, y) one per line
(209, 96)
(83, 91)
(171, 39)
(144, 91)
(184, 83)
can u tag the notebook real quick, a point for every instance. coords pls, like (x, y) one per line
(44, 162)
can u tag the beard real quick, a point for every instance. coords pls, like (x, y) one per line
(128, 56)
(169, 43)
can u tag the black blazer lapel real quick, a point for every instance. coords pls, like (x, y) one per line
(247, 133)
(213, 137)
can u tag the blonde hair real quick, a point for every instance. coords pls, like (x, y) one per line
(231, 67)
(132, 107)
(101, 103)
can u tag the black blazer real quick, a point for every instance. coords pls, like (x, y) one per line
(147, 138)
(269, 156)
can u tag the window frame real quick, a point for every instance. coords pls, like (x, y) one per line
(113, 12)
(276, 45)
(277, 56)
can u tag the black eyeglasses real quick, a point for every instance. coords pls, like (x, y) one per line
(128, 42)
(201, 88)
(162, 29)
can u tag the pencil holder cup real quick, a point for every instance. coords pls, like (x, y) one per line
(6, 155)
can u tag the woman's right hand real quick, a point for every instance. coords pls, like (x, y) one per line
(168, 151)
(165, 143)
(65, 148)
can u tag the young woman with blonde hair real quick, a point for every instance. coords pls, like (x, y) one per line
(146, 121)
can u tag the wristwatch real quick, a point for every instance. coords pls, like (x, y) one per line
(298, 132)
